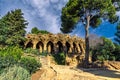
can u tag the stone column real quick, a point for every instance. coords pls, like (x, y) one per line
(45, 46)
(82, 48)
(78, 48)
(70, 49)
(55, 48)
(34, 45)
(64, 48)
(41, 48)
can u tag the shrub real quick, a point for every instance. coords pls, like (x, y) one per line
(59, 58)
(29, 64)
(15, 73)
(116, 52)
(32, 51)
(9, 56)
(44, 53)
(104, 51)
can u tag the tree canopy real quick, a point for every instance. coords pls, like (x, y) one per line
(77, 11)
(12, 28)
(35, 30)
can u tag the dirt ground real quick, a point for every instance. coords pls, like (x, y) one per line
(59, 72)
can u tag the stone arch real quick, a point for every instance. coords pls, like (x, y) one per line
(67, 47)
(40, 46)
(50, 47)
(59, 47)
(29, 45)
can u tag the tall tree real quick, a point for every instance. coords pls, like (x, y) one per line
(118, 33)
(12, 28)
(89, 13)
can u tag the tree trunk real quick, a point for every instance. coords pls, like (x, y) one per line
(87, 42)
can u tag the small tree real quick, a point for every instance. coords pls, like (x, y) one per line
(88, 12)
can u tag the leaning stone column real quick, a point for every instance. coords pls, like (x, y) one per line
(78, 48)
(70, 49)
(82, 47)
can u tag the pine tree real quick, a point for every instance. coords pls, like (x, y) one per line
(12, 28)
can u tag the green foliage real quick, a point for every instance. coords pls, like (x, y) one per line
(12, 27)
(29, 64)
(59, 58)
(15, 73)
(45, 53)
(35, 30)
(9, 56)
(116, 52)
(32, 51)
(104, 51)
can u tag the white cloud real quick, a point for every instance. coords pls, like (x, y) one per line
(48, 12)
(118, 13)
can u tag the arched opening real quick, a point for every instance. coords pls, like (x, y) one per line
(50, 47)
(40, 46)
(67, 47)
(29, 45)
(74, 48)
(60, 46)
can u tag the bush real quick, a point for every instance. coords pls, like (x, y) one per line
(32, 51)
(15, 73)
(104, 51)
(44, 53)
(116, 52)
(59, 58)
(9, 56)
(29, 64)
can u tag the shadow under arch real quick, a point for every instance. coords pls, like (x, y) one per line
(67, 47)
(50, 47)
(80, 48)
(40, 46)
(29, 45)
(74, 48)
(60, 47)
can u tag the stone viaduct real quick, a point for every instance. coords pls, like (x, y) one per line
(55, 43)
(72, 46)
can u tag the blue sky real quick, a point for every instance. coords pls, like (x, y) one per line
(45, 14)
